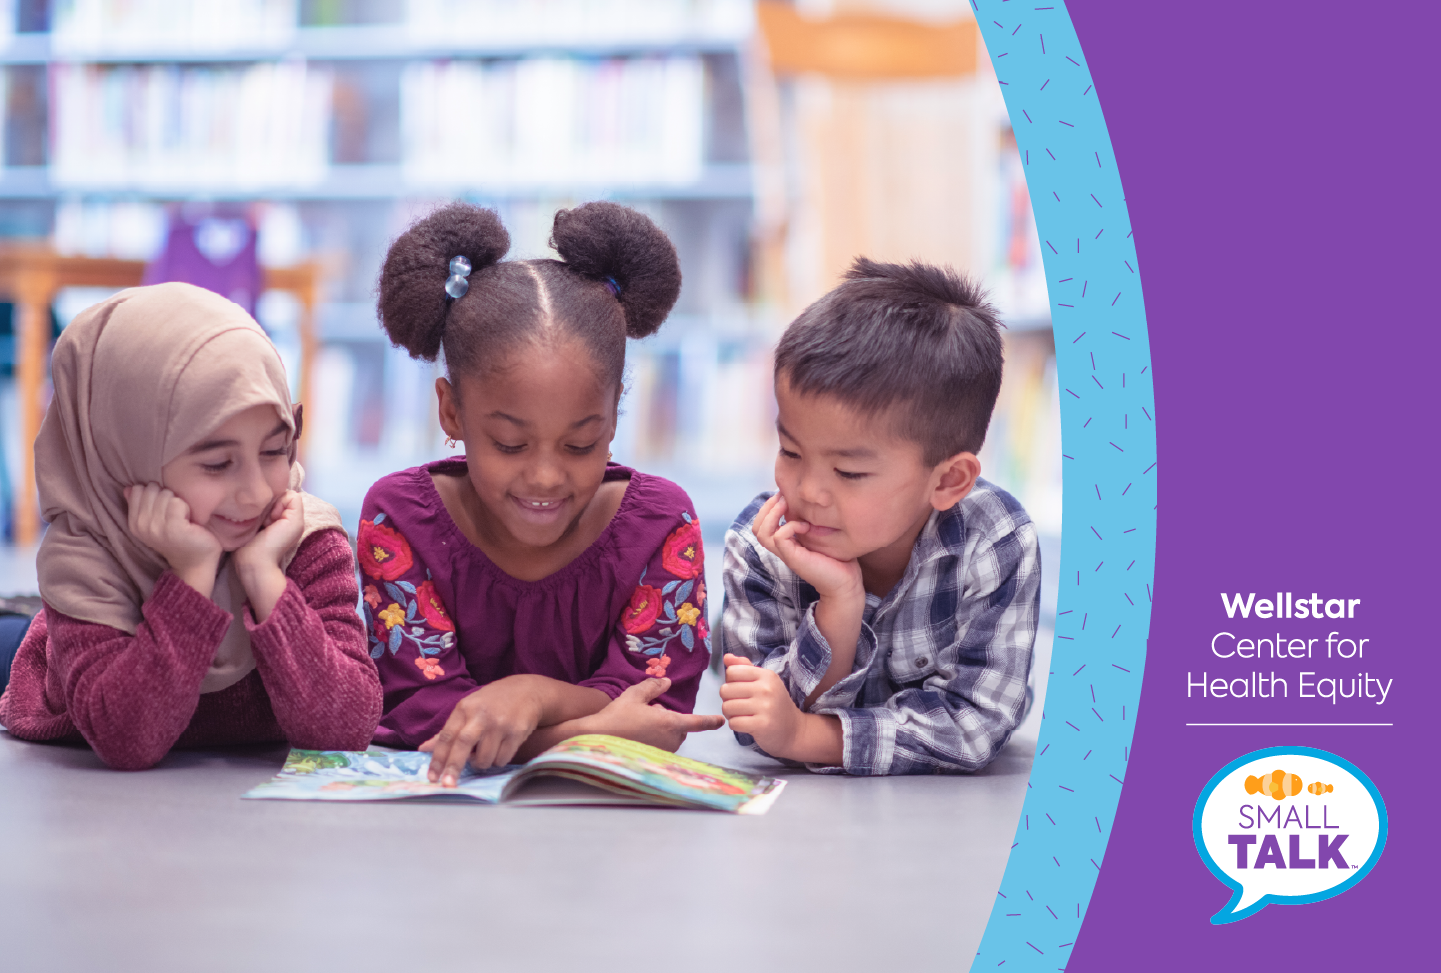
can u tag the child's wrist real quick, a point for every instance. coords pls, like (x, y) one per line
(850, 594)
(836, 613)
(817, 740)
(199, 575)
(581, 725)
(253, 576)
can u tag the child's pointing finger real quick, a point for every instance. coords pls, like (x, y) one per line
(700, 722)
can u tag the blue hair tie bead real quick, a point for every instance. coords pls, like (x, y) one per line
(456, 284)
(610, 282)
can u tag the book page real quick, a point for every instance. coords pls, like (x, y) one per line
(343, 775)
(625, 766)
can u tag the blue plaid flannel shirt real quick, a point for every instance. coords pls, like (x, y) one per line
(940, 672)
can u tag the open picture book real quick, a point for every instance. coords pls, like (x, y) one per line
(590, 769)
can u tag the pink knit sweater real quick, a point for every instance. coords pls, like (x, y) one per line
(134, 697)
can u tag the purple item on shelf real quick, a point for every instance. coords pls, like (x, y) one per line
(217, 253)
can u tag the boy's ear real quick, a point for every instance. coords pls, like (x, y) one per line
(954, 477)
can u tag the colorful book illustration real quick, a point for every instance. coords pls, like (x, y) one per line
(589, 769)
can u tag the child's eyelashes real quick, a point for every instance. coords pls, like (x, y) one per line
(788, 454)
(216, 467)
(573, 450)
(848, 475)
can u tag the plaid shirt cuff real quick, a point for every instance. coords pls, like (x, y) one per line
(869, 736)
(804, 664)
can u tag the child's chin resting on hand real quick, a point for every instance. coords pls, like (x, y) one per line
(881, 607)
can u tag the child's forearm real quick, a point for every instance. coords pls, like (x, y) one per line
(818, 740)
(839, 620)
(263, 587)
(548, 736)
(560, 702)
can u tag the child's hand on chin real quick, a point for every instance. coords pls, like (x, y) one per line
(830, 577)
(283, 526)
(756, 701)
(635, 716)
(161, 521)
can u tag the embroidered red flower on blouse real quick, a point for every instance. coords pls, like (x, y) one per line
(383, 552)
(681, 553)
(432, 609)
(429, 667)
(656, 665)
(372, 597)
(641, 613)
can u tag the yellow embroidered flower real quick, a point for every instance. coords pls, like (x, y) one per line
(687, 614)
(392, 616)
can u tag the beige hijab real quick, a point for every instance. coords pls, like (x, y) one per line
(139, 379)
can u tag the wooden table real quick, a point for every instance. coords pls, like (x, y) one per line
(33, 275)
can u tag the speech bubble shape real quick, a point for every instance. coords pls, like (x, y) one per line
(1281, 841)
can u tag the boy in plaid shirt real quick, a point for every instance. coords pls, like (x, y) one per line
(881, 608)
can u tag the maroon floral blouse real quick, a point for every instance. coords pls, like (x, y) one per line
(443, 620)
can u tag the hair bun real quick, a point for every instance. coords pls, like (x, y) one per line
(603, 240)
(413, 302)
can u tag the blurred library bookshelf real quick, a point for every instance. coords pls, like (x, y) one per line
(772, 142)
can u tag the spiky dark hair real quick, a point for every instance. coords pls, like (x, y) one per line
(916, 341)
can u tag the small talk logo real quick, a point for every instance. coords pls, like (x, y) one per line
(1294, 835)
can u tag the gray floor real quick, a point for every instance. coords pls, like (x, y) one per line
(169, 870)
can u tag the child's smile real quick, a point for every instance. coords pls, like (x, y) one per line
(541, 512)
(537, 433)
(232, 478)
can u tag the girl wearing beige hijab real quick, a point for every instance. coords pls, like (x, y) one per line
(193, 595)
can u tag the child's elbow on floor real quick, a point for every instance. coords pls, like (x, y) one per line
(131, 758)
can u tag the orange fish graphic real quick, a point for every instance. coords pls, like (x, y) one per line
(1277, 784)
(1320, 788)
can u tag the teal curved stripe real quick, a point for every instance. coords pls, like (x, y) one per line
(1108, 534)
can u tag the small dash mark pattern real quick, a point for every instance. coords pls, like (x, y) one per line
(1108, 434)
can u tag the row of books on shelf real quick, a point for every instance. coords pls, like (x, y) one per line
(152, 27)
(551, 22)
(506, 123)
(613, 121)
(261, 125)
(120, 25)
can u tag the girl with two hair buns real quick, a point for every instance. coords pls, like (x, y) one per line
(193, 595)
(530, 589)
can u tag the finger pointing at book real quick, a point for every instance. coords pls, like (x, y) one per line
(485, 729)
(635, 716)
